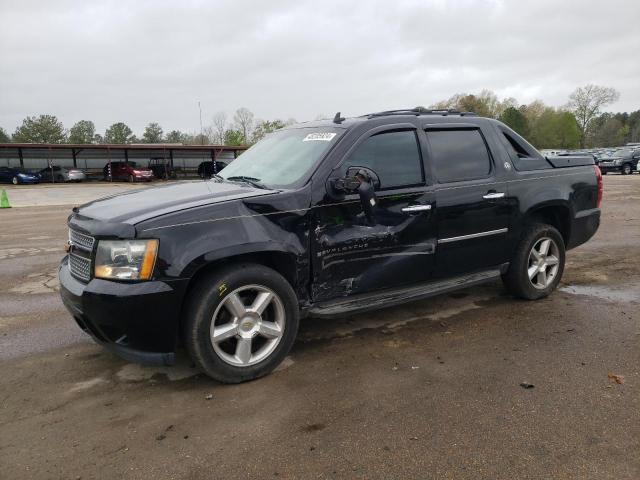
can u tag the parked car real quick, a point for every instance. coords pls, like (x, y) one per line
(17, 175)
(161, 168)
(205, 169)
(62, 174)
(129, 171)
(622, 161)
(325, 219)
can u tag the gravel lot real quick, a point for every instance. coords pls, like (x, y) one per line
(427, 390)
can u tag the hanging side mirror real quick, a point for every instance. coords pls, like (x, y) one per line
(361, 180)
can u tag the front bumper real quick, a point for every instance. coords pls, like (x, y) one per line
(610, 168)
(137, 321)
(143, 176)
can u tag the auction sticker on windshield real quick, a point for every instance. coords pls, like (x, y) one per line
(322, 137)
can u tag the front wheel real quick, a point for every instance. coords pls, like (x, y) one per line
(131, 179)
(14, 180)
(240, 322)
(626, 169)
(538, 264)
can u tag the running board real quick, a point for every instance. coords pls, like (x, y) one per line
(387, 298)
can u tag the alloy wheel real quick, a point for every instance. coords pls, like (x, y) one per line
(544, 262)
(247, 325)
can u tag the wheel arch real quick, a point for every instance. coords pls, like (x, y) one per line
(284, 262)
(556, 214)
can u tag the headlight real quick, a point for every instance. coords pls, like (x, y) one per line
(125, 259)
(617, 161)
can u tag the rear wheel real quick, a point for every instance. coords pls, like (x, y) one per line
(538, 264)
(240, 322)
(131, 179)
(14, 180)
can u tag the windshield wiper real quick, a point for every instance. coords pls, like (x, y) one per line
(250, 180)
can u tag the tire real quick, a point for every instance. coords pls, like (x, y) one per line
(15, 180)
(131, 179)
(212, 300)
(517, 279)
(626, 169)
(60, 178)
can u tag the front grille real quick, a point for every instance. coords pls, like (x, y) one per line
(80, 240)
(80, 267)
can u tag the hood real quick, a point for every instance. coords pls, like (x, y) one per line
(140, 205)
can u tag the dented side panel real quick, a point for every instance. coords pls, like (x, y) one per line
(352, 255)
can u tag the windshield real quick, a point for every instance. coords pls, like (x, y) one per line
(284, 157)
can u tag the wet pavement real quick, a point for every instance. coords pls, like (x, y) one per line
(431, 389)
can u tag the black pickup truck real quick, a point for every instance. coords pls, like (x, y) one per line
(324, 218)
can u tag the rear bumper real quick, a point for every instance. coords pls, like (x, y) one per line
(585, 225)
(137, 321)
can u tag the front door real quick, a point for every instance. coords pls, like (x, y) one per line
(352, 254)
(472, 206)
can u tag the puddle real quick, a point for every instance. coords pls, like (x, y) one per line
(631, 294)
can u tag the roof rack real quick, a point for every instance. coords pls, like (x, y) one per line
(417, 111)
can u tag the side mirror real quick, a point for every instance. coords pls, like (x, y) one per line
(362, 180)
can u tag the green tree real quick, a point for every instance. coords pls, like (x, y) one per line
(42, 129)
(586, 103)
(175, 136)
(555, 129)
(119, 133)
(152, 133)
(82, 132)
(97, 138)
(515, 119)
(609, 131)
(265, 127)
(4, 136)
(233, 137)
(484, 104)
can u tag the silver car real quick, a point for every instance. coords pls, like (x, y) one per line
(62, 174)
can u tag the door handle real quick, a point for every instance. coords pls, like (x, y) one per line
(416, 208)
(493, 195)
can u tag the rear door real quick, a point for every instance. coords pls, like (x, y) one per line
(471, 200)
(351, 254)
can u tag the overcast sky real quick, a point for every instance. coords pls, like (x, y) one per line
(142, 61)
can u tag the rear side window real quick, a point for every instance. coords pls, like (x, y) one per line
(394, 156)
(458, 155)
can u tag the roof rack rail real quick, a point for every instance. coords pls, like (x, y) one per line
(417, 111)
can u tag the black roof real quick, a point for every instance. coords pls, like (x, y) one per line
(406, 114)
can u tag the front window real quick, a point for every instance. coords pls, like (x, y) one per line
(283, 158)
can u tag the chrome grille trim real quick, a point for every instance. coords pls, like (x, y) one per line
(81, 241)
(80, 267)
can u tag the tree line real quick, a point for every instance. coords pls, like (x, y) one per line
(242, 129)
(581, 122)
